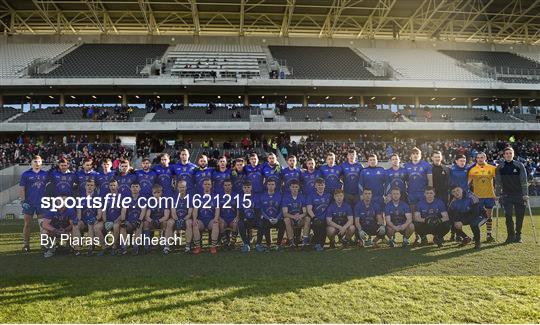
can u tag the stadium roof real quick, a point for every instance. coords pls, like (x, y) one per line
(504, 21)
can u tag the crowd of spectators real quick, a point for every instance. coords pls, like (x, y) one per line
(107, 113)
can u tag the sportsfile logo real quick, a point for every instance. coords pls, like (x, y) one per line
(197, 201)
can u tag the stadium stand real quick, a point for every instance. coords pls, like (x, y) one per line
(7, 112)
(82, 114)
(337, 114)
(217, 60)
(106, 60)
(202, 114)
(432, 65)
(313, 62)
(15, 58)
(531, 118)
(446, 114)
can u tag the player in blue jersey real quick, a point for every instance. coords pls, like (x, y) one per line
(465, 210)
(290, 174)
(295, 214)
(271, 216)
(55, 224)
(201, 173)
(238, 175)
(271, 170)
(146, 177)
(339, 219)
(373, 177)
(104, 177)
(309, 176)
(220, 175)
(111, 215)
(157, 218)
(317, 203)
(459, 174)
(206, 217)
(185, 170)
(419, 176)
(165, 175)
(398, 217)
(331, 173)
(228, 221)
(351, 176)
(396, 176)
(31, 191)
(181, 213)
(369, 220)
(87, 220)
(249, 216)
(255, 174)
(62, 179)
(86, 173)
(131, 219)
(431, 217)
(125, 177)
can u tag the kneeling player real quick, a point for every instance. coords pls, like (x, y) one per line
(228, 221)
(294, 213)
(317, 204)
(431, 217)
(181, 215)
(87, 220)
(111, 215)
(464, 211)
(56, 224)
(157, 219)
(369, 220)
(131, 219)
(249, 216)
(398, 218)
(206, 217)
(339, 220)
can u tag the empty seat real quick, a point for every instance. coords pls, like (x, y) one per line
(14, 58)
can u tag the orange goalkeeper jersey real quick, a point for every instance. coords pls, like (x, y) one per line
(481, 178)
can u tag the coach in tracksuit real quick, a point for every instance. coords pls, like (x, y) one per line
(441, 177)
(511, 188)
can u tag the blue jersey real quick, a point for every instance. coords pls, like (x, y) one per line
(431, 210)
(133, 212)
(200, 175)
(62, 183)
(351, 177)
(124, 183)
(60, 218)
(82, 177)
(459, 177)
(251, 212)
(227, 209)
(463, 207)
(308, 181)
(288, 175)
(331, 176)
(339, 213)
(397, 212)
(146, 179)
(238, 179)
(165, 178)
(367, 213)
(103, 180)
(319, 204)
(396, 178)
(373, 178)
(88, 213)
(181, 206)
(207, 211)
(294, 205)
(112, 213)
(272, 173)
(417, 179)
(255, 175)
(34, 186)
(158, 212)
(270, 205)
(218, 178)
(185, 173)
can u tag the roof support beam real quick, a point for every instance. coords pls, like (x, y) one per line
(195, 17)
(513, 22)
(287, 18)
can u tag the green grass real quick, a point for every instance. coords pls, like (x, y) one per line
(498, 284)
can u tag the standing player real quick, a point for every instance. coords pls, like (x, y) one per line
(201, 173)
(57, 223)
(511, 186)
(125, 177)
(272, 170)
(31, 191)
(239, 175)
(294, 213)
(206, 217)
(131, 219)
(157, 218)
(317, 204)
(481, 177)
(62, 179)
(309, 176)
(463, 211)
(249, 216)
(255, 174)
(459, 174)
(339, 220)
(181, 213)
(396, 176)
(271, 216)
(104, 177)
(373, 177)
(220, 175)
(431, 217)
(87, 220)
(146, 178)
(398, 218)
(290, 174)
(368, 220)
(331, 173)
(165, 174)
(86, 174)
(351, 176)
(185, 170)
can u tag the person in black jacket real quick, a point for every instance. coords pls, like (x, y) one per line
(441, 181)
(512, 190)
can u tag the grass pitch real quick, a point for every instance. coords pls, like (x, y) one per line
(498, 284)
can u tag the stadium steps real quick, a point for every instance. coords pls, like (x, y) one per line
(148, 117)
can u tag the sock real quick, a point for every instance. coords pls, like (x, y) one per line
(234, 234)
(488, 226)
(146, 239)
(214, 243)
(197, 243)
